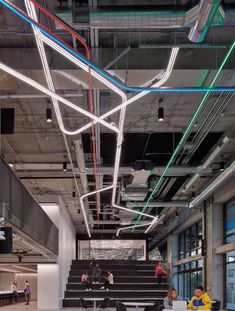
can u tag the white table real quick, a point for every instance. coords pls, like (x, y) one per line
(94, 301)
(138, 304)
(181, 310)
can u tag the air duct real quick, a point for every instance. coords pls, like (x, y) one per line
(207, 11)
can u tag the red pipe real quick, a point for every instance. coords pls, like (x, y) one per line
(83, 42)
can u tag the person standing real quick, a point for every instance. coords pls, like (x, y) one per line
(159, 272)
(171, 296)
(14, 292)
(27, 291)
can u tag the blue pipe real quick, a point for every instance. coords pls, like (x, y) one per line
(107, 76)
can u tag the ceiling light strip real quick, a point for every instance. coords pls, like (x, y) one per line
(104, 74)
(31, 10)
(75, 35)
(41, 88)
(130, 227)
(164, 78)
(188, 129)
(120, 138)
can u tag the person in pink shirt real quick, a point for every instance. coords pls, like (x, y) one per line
(86, 282)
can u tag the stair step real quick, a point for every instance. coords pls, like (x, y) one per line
(75, 302)
(115, 294)
(120, 286)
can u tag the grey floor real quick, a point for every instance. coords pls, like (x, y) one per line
(33, 307)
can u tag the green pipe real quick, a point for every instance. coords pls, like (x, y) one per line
(184, 137)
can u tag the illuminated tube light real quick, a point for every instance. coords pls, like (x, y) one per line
(31, 10)
(9, 70)
(140, 95)
(120, 138)
(158, 220)
(105, 74)
(151, 225)
(63, 49)
(188, 129)
(48, 75)
(130, 227)
(164, 78)
(214, 185)
(41, 88)
(118, 207)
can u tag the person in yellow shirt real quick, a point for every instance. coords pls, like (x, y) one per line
(200, 300)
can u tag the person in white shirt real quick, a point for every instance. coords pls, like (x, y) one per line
(108, 280)
(171, 296)
(14, 292)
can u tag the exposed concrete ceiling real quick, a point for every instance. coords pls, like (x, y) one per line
(145, 138)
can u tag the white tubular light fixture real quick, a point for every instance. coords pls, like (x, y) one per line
(214, 185)
(79, 63)
(125, 103)
(164, 78)
(105, 81)
(31, 11)
(130, 227)
(41, 88)
(151, 225)
(158, 220)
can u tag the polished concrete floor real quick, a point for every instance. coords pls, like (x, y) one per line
(22, 307)
(33, 307)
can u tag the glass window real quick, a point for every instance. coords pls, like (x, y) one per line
(190, 241)
(230, 256)
(189, 275)
(230, 223)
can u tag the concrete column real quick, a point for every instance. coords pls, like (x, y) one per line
(214, 239)
(172, 255)
(55, 276)
(48, 287)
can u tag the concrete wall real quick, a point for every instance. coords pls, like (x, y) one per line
(67, 247)
(6, 280)
(52, 278)
(48, 286)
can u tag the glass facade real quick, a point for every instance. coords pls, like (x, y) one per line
(190, 274)
(190, 241)
(230, 256)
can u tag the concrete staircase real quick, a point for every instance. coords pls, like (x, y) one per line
(133, 281)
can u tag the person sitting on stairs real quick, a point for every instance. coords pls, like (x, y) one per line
(86, 282)
(108, 280)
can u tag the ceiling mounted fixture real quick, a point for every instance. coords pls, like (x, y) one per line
(64, 166)
(222, 166)
(49, 115)
(160, 114)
